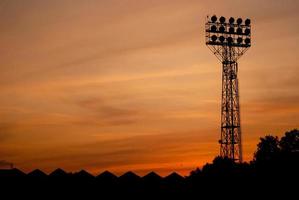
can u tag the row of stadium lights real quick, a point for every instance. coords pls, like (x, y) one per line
(231, 30)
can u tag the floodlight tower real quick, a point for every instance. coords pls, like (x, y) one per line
(229, 40)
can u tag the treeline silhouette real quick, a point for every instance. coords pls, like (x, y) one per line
(273, 172)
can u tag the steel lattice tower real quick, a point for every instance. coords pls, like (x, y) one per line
(229, 41)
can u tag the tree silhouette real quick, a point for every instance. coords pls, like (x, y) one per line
(267, 149)
(221, 166)
(278, 158)
(290, 142)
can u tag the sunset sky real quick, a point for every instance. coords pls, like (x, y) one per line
(130, 85)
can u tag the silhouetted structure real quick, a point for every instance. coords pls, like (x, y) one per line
(37, 175)
(152, 178)
(58, 173)
(11, 173)
(229, 40)
(106, 177)
(84, 175)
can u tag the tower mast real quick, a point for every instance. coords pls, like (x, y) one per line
(229, 41)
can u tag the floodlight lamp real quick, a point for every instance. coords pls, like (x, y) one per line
(229, 40)
(214, 38)
(247, 22)
(239, 21)
(222, 19)
(247, 31)
(247, 40)
(214, 18)
(239, 40)
(221, 29)
(231, 20)
(239, 30)
(213, 28)
(221, 38)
